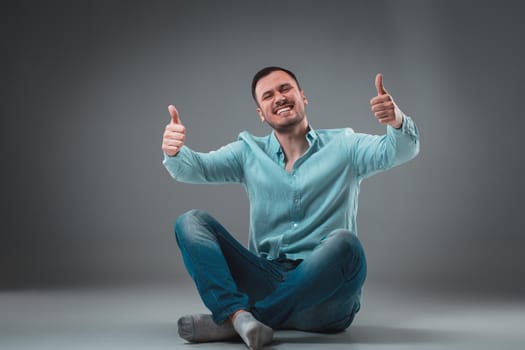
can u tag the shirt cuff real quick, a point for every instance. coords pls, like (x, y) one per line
(408, 127)
(167, 157)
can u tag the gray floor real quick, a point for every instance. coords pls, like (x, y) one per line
(145, 318)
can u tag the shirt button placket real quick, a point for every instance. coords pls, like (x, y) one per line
(295, 201)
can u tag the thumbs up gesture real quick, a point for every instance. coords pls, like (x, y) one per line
(174, 134)
(385, 109)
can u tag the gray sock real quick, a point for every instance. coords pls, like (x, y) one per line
(254, 333)
(201, 328)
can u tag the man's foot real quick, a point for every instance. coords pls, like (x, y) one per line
(254, 333)
(201, 328)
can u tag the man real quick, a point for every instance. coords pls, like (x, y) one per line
(304, 267)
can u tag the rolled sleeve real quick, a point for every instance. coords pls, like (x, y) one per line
(221, 166)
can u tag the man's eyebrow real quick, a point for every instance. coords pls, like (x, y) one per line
(283, 85)
(266, 92)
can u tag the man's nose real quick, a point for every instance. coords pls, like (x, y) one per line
(279, 97)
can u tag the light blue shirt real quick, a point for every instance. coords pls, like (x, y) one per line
(290, 213)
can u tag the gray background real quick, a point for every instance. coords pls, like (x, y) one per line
(86, 200)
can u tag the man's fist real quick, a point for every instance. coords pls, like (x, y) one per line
(174, 134)
(384, 107)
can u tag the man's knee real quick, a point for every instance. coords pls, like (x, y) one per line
(191, 217)
(186, 224)
(346, 248)
(345, 243)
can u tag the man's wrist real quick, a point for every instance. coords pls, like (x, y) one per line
(398, 123)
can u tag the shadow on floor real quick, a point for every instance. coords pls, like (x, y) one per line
(369, 335)
(354, 335)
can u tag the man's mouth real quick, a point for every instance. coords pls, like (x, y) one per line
(284, 109)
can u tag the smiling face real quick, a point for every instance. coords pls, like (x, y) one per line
(281, 102)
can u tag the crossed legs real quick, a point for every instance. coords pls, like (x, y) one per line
(321, 294)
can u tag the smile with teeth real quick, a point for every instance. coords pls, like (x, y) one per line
(284, 109)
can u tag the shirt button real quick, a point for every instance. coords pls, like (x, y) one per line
(294, 225)
(296, 201)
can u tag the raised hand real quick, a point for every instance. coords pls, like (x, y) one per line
(174, 134)
(385, 109)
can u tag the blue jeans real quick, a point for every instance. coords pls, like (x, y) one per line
(321, 293)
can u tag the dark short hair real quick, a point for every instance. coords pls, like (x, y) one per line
(266, 71)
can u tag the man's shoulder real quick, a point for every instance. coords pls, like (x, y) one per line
(252, 141)
(246, 136)
(334, 133)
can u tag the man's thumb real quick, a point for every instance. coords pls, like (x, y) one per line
(379, 85)
(174, 114)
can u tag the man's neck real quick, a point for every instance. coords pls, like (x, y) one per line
(293, 143)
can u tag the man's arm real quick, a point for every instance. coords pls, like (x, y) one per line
(186, 165)
(370, 153)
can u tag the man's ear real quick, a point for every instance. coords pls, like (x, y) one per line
(261, 116)
(304, 97)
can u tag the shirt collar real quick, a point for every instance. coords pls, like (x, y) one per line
(312, 136)
(274, 147)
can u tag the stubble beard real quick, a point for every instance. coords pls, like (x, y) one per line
(289, 126)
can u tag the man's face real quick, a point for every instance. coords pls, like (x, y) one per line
(281, 103)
